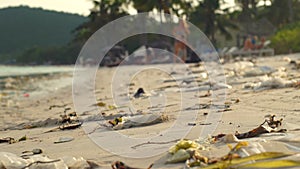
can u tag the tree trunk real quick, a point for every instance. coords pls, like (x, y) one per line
(291, 12)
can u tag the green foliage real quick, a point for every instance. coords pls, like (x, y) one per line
(177, 7)
(287, 39)
(37, 36)
(249, 10)
(23, 27)
(103, 12)
(44, 55)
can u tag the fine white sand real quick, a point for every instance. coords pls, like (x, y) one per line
(163, 95)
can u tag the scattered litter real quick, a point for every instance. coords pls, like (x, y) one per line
(71, 117)
(9, 160)
(111, 107)
(131, 84)
(100, 104)
(69, 121)
(272, 163)
(64, 139)
(185, 144)
(272, 126)
(26, 94)
(41, 123)
(218, 86)
(204, 75)
(37, 151)
(139, 93)
(107, 106)
(258, 71)
(11, 140)
(281, 72)
(237, 100)
(206, 95)
(22, 138)
(296, 84)
(229, 138)
(32, 152)
(151, 142)
(196, 160)
(67, 126)
(121, 165)
(239, 66)
(57, 106)
(287, 59)
(239, 156)
(270, 83)
(136, 121)
(183, 150)
(201, 124)
(179, 156)
(78, 162)
(259, 160)
(192, 89)
(209, 105)
(295, 63)
(116, 121)
(224, 110)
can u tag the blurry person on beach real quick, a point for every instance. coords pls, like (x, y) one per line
(252, 43)
(248, 44)
(180, 32)
(261, 43)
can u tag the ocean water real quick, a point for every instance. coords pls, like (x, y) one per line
(9, 71)
(15, 81)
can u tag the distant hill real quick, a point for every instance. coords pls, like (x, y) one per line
(23, 27)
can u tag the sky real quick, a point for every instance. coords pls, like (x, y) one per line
(81, 7)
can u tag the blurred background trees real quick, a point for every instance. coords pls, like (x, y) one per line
(269, 18)
(278, 20)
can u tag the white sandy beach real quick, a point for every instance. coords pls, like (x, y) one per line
(247, 109)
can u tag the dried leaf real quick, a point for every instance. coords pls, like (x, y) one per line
(23, 138)
(100, 104)
(111, 107)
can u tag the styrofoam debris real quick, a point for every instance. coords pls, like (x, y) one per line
(239, 66)
(12, 161)
(230, 138)
(270, 83)
(259, 70)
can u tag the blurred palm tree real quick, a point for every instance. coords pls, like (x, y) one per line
(209, 17)
(249, 9)
(103, 12)
(177, 7)
(281, 12)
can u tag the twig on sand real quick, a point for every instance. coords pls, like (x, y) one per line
(66, 126)
(150, 142)
(96, 128)
(58, 106)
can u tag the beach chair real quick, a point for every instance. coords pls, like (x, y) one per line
(264, 51)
